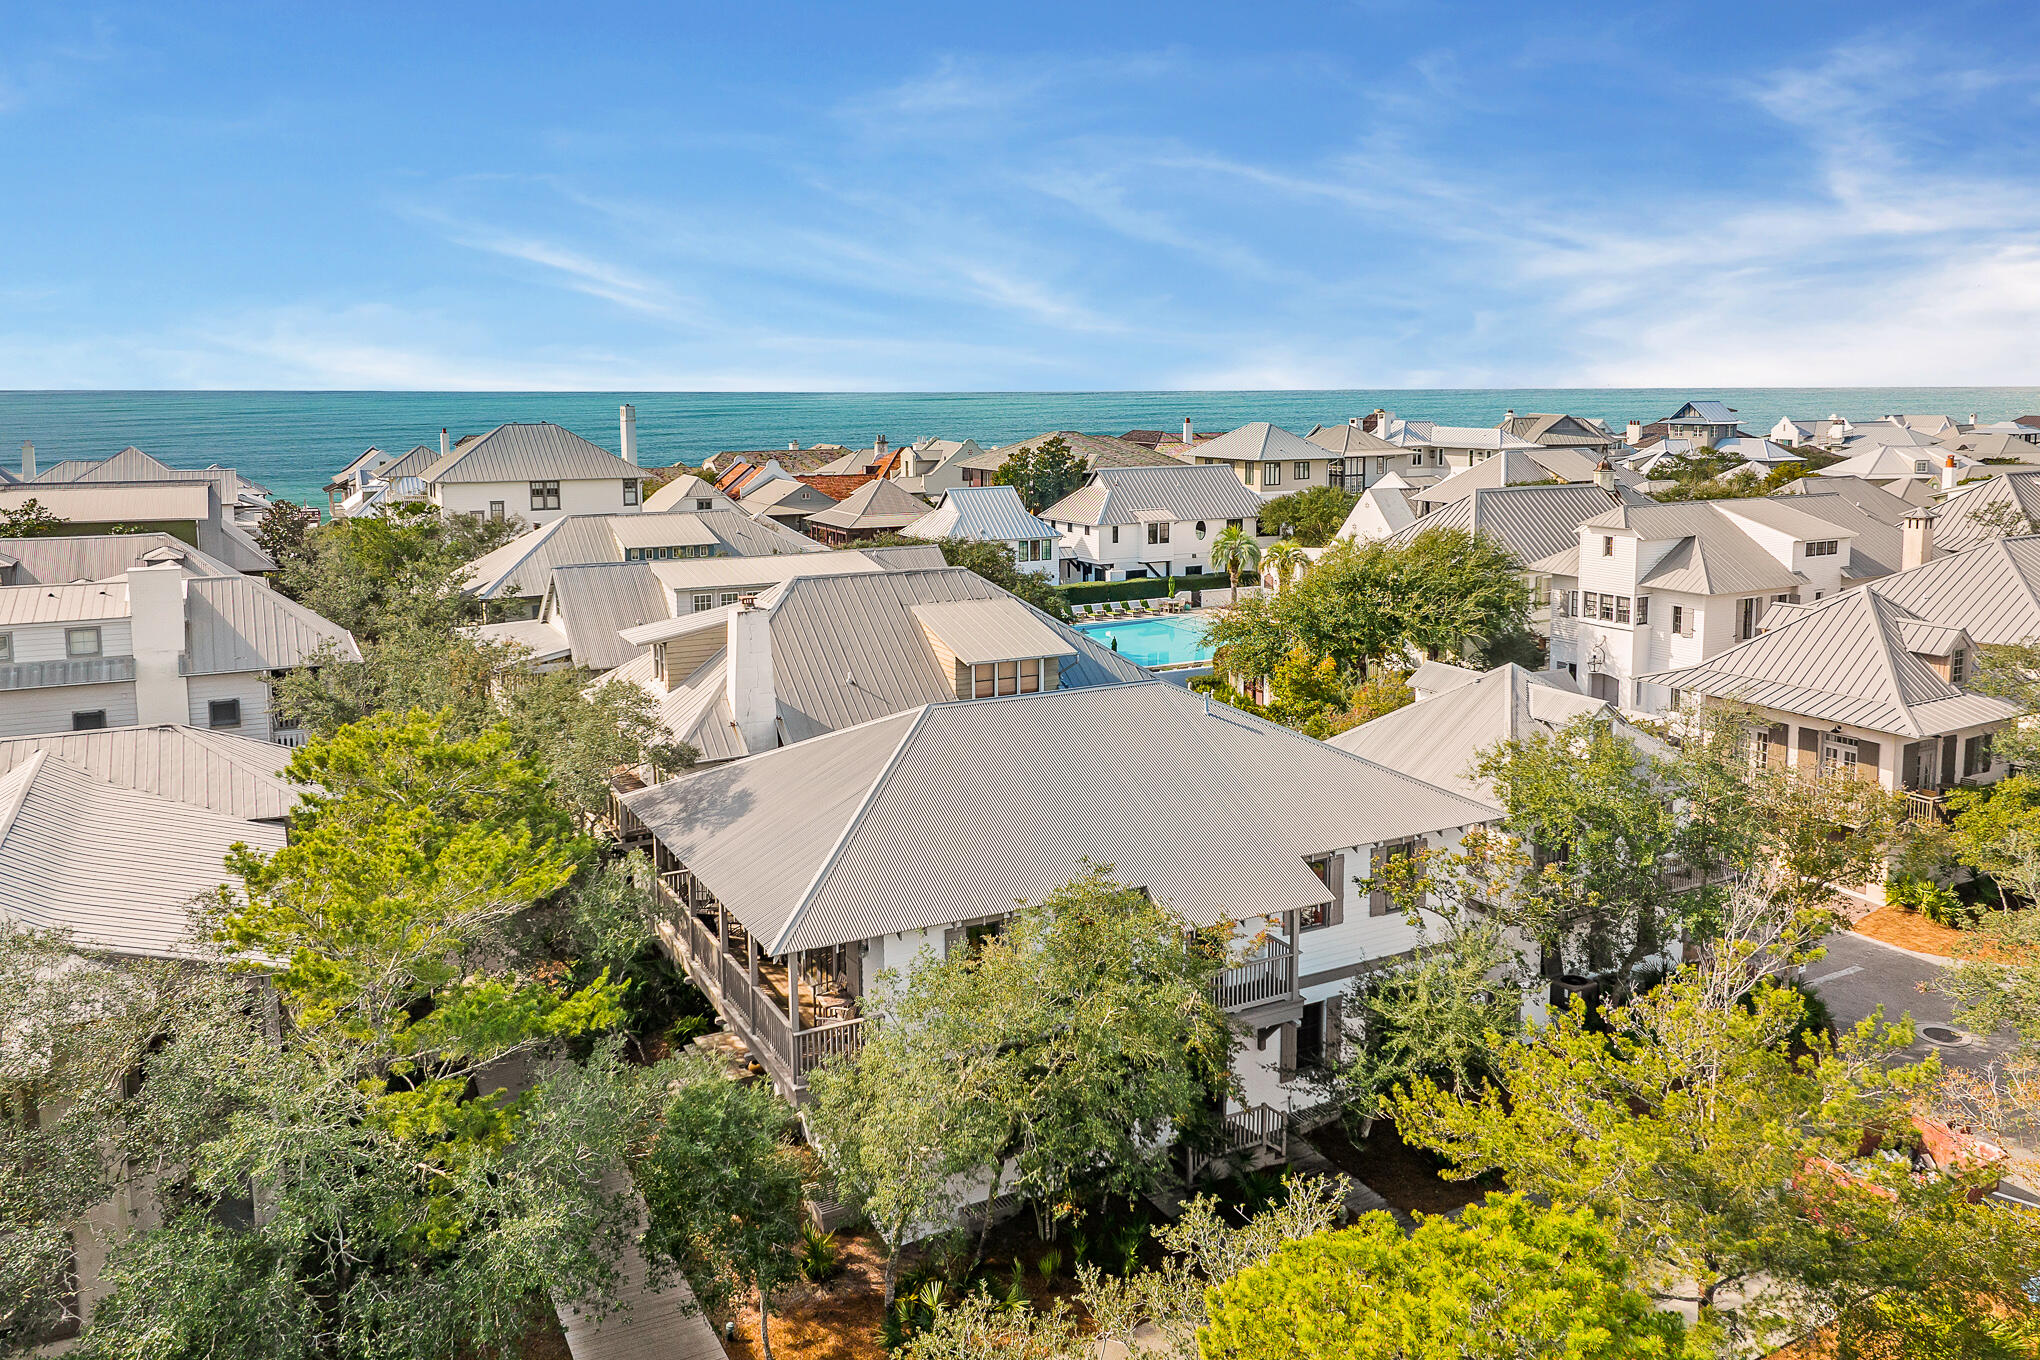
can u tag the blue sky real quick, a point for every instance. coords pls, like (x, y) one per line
(1038, 196)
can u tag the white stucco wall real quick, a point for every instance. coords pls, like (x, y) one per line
(595, 496)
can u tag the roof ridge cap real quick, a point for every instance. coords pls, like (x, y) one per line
(20, 777)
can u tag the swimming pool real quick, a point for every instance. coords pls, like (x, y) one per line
(1154, 642)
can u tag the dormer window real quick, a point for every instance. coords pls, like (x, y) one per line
(1958, 666)
(1826, 547)
(993, 678)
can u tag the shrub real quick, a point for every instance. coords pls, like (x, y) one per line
(820, 1259)
(1940, 905)
(1145, 588)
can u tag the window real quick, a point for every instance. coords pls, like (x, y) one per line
(1958, 666)
(1643, 609)
(1748, 627)
(1301, 472)
(1572, 604)
(704, 505)
(1417, 458)
(1976, 756)
(496, 511)
(90, 721)
(1826, 547)
(6, 646)
(1607, 545)
(630, 490)
(1838, 754)
(1006, 677)
(1679, 620)
(1621, 609)
(1271, 474)
(1115, 533)
(730, 596)
(1310, 1036)
(702, 602)
(1200, 529)
(545, 495)
(1158, 531)
(1920, 465)
(81, 642)
(223, 713)
(1247, 472)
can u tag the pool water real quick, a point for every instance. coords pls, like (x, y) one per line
(1154, 642)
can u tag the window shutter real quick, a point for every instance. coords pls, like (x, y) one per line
(1288, 1058)
(1377, 898)
(1780, 738)
(1337, 875)
(1809, 748)
(953, 940)
(1335, 1031)
(1414, 845)
(1947, 761)
(1868, 753)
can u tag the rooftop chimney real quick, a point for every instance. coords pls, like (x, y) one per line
(445, 444)
(793, 444)
(27, 461)
(878, 447)
(1918, 546)
(1355, 420)
(747, 676)
(1189, 435)
(1509, 414)
(627, 415)
(1948, 474)
(1604, 475)
(1635, 432)
(156, 613)
(1972, 418)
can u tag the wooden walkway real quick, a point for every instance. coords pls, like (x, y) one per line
(648, 1323)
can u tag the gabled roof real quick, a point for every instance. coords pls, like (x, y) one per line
(1874, 433)
(850, 648)
(1438, 738)
(590, 605)
(116, 867)
(1713, 552)
(1709, 412)
(1992, 591)
(1259, 442)
(1988, 444)
(99, 557)
(1559, 430)
(79, 603)
(785, 496)
(878, 504)
(237, 624)
(1535, 523)
(1349, 439)
(958, 810)
(1097, 451)
(1845, 659)
(1430, 434)
(103, 503)
(1518, 467)
(986, 513)
(1987, 510)
(1877, 502)
(521, 566)
(756, 573)
(837, 486)
(1183, 491)
(522, 452)
(1878, 546)
(231, 775)
(795, 461)
(683, 491)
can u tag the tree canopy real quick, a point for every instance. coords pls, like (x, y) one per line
(1043, 472)
(1311, 516)
(994, 562)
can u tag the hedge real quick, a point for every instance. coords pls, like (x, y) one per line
(1147, 587)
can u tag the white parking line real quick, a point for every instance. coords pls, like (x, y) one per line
(1838, 973)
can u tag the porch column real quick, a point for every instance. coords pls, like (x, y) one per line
(1292, 927)
(793, 990)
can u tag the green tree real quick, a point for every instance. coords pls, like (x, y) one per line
(724, 1186)
(1285, 559)
(1382, 693)
(1507, 1279)
(1997, 830)
(31, 520)
(282, 530)
(398, 572)
(1043, 473)
(1311, 516)
(994, 562)
(1235, 553)
(1305, 691)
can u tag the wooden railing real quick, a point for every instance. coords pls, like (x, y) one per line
(1255, 1134)
(836, 1039)
(1925, 809)
(1270, 977)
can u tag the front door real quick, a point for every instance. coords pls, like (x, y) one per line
(1921, 757)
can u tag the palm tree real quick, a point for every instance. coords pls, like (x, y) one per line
(1286, 557)
(1234, 552)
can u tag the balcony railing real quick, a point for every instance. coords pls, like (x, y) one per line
(1257, 1134)
(1925, 809)
(1269, 977)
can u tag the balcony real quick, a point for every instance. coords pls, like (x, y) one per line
(1923, 808)
(792, 1018)
(1270, 975)
(1255, 1136)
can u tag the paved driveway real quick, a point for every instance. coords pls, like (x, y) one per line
(1859, 974)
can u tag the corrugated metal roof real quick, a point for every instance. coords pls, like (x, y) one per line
(1987, 510)
(998, 629)
(1438, 738)
(116, 867)
(959, 810)
(1846, 660)
(1712, 412)
(986, 513)
(1207, 491)
(91, 670)
(1992, 591)
(1878, 546)
(1097, 451)
(232, 775)
(525, 452)
(684, 577)
(83, 603)
(1558, 430)
(1349, 439)
(238, 624)
(108, 503)
(592, 605)
(542, 639)
(98, 557)
(1258, 442)
(522, 566)
(682, 492)
(875, 505)
(1532, 522)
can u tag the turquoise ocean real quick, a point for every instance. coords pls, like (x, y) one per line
(291, 442)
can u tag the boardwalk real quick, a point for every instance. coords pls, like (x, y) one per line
(651, 1324)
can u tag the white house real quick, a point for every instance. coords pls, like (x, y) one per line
(519, 569)
(688, 492)
(1440, 450)
(1823, 434)
(536, 472)
(1131, 522)
(155, 644)
(993, 514)
(837, 860)
(1705, 422)
(1359, 458)
(1272, 460)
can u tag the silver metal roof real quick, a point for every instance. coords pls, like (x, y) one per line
(878, 504)
(1097, 451)
(998, 629)
(522, 452)
(116, 867)
(1184, 491)
(1532, 522)
(98, 557)
(84, 603)
(592, 604)
(106, 503)
(1845, 660)
(957, 810)
(522, 566)
(682, 492)
(1349, 439)
(1258, 442)
(1987, 510)
(986, 513)
(1991, 591)
(233, 775)
(238, 624)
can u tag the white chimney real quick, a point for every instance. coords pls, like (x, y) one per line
(445, 444)
(1918, 544)
(747, 676)
(878, 447)
(1509, 414)
(27, 461)
(1972, 418)
(1353, 420)
(1189, 435)
(628, 415)
(1949, 476)
(1634, 433)
(1604, 475)
(793, 443)
(156, 610)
